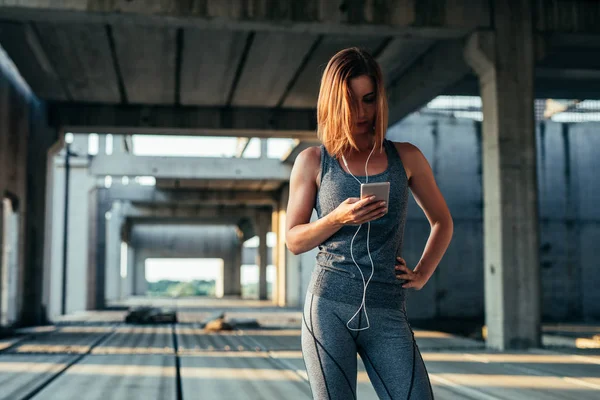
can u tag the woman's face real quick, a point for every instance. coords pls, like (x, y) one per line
(363, 92)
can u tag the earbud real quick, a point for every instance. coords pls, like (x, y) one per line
(363, 303)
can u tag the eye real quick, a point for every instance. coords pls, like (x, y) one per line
(369, 99)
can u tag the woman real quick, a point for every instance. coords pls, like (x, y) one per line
(344, 313)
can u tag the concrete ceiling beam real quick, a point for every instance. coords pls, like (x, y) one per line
(391, 18)
(439, 68)
(153, 195)
(205, 168)
(176, 120)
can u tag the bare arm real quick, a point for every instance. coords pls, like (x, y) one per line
(431, 201)
(302, 235)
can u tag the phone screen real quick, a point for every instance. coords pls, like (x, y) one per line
(381, 190)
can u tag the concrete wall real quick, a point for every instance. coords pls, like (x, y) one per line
(569, 217)
(453, 149)
(24, 142)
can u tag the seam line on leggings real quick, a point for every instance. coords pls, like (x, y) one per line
(317, 347)
(426, 373)
(412, 375)
(414, 355)
(304, 359)
(424, 367)
(415, 352)
(332, 358)
(378, 375)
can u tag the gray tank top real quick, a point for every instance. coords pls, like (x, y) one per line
(385, 238)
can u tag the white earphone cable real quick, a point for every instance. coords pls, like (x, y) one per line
(363, 303)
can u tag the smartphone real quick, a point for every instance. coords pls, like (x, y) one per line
(381, 191)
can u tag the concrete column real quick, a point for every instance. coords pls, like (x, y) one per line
(505, 66)
(49, 219)
(231, 270)
(77, 242)
(41, 140)
(274, 254)
(284, 274)
(289, 267)
(128, 280)
(101, 144)
(262, 228)
(221, 283)
(18, 125)
(3, 279)
(92, 247)
(4, 290)
(237, 282)
(263, 148)
(140, 285)
(77, 282)
(112, 287)
(9, 263)
(98, 236)
(224, 281)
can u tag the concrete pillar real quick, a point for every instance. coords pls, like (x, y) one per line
(41, 140)
(15, 150)
(77, 241)
(3, 279)
(281, 252)
(289, 267)
(505, 67)
(274, 254)
(264, 148)
(92, 247)
(9, 262)
(221, 282)
(231, 270)
(262, 228)
(140, 285)
(97, 245)
(49, 251)
(101, 144)
(127, 288)
(237, 281)
(112, 288)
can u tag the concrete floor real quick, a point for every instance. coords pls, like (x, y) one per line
(94, 355)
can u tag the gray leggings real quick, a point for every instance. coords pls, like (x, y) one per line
(388, 350)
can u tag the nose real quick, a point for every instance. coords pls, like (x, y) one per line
(361, 110)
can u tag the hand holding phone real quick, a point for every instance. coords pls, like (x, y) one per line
(381, 191)
(355, 211)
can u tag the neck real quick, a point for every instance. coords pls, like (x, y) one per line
(365, 143)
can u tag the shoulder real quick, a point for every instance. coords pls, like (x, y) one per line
(309, 157)
(308, 162)
(411, 157)
(405, 148)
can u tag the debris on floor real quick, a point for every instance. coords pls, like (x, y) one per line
(216, 322)
(151, 315)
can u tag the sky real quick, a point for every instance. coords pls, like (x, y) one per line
(197, 269)
(194, 146)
